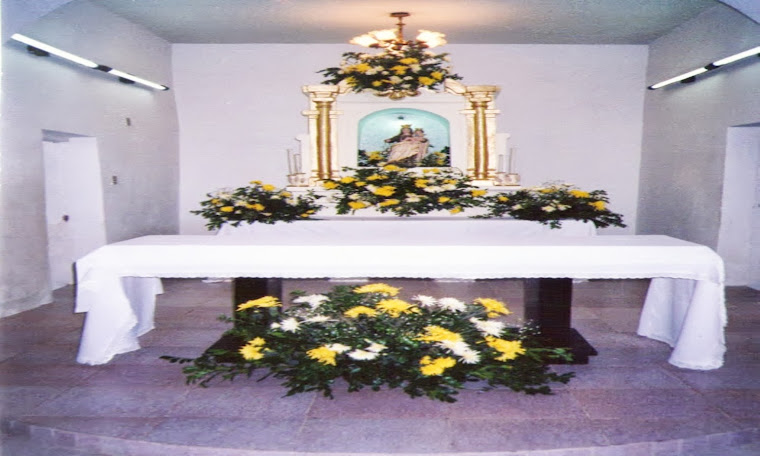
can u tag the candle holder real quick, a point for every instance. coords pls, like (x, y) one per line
(507, 179)
(298, 180)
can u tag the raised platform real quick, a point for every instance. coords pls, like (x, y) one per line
(627, 400)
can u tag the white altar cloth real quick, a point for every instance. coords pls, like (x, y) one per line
(685, 306)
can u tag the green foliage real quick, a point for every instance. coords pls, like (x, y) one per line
(262, 203)
(368, 337)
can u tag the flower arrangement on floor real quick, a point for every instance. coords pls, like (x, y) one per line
(553, 203)
(395, 73)
(369, 337)
(404, 192)
(263, 203)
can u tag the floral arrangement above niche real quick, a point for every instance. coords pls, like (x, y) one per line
(394, 72)
(369, 337)
(258, 202)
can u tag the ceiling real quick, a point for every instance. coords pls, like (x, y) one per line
(463, 21)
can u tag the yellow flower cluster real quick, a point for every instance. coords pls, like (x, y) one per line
(434, 333)
(436, 366)
(377, 288)
(509, 349)
(266, 301)
(396, 307)
(253, 350)
(323, 354)
(493, 307)
(357, 311)
(598, 205)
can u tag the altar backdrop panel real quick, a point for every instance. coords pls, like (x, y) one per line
(574, 112)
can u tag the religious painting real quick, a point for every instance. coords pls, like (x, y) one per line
(405, 137)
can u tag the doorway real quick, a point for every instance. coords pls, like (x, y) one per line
(73, 202)
(739, 235)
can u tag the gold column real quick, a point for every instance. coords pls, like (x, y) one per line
(322, 130)
(482, 131)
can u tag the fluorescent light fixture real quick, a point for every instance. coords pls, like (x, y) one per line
(52, 50)
(679, 78)
(689, 77)
(738, 56)
(134, 78)
(123, 76)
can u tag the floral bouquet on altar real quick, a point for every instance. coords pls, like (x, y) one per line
(402, 192)
(263, 203)
(368, 336)
(553, 203)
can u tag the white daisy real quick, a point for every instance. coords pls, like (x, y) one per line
(313, 300)
(318, 319)
(425, 301)
(362, 355)
(488, 327)
(290, 325)
(339, 348)
(375, 347)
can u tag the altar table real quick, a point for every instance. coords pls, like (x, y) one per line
(684, 307)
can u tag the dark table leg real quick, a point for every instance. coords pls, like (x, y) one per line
(547, 305)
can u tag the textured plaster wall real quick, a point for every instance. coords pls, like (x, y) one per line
(46, 93)
(574, 112)
(685, 125)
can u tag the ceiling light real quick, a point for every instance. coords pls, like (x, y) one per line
(690, 76)
(394, 39)
(739, 56)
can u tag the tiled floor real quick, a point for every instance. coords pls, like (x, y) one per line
(627, 401)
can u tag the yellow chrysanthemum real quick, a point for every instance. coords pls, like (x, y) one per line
(598, 205)
(375, 177)
(250, 352)
(579, 193)
(323, 354)
(216, 201)
(385, 190)
(227, 209)
(502, 198)
(362, 67)
(329, 185)
(437, 75)
(547, 190)
(479, 192)
(389, 202)
(268, 187)
(360, 183)
(493, 307)
(377, 83)
(424, 80)
(456, 210)
(266, 301)
(431, 171)
(357, 311)
(255, 206)
(400, 70)
(356, 205)
(347, 179)
(256, 182)
(352, 81)
(434, 333)
(392, 168)
(444, 199)
(375, 156)
(377, 288)
(509, 349)
(408, 60)
(396, 307)
(435, 366)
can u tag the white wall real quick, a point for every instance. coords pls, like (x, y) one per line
(574, 112)
(685, 125)
(47, 93)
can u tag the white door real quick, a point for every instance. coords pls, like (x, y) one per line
(74, 204)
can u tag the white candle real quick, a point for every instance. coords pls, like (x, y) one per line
(512, 155)
(290, 162)
(500, 168)
(297, 163)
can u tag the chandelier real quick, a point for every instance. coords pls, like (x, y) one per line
(394, 39)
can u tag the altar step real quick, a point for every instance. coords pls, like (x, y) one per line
(22, 439)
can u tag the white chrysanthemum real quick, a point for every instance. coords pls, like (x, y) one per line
(433, 189)
(488, 327)
(339, 348)
(452, 304)
(413, 198)
(313, 300)
(462, 350)
(290, 324)
(395, 79)
(371, 188)
(318, 319)
(449, 187)
(562, 207)
(354, 196)
(375, 347)
(425, 301)
(362, 355)
(275, 325)
(415, 67)
(370, 72)
(517, 207)
(548, 209)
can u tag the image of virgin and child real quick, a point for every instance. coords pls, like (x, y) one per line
(408, 147)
